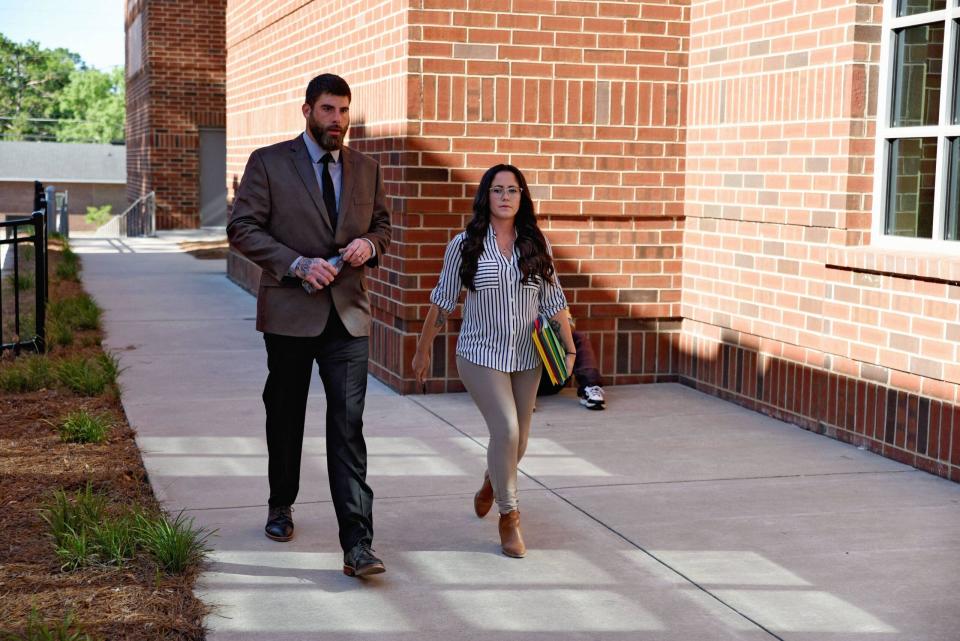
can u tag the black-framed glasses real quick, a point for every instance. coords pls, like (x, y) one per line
(509, 192)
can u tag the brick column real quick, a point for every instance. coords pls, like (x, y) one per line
(175, 86)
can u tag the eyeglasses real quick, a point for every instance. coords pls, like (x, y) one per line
(509, 192)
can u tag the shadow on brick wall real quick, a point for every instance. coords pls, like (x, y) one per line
(916, 430)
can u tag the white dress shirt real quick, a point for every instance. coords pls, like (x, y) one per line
(498, 317)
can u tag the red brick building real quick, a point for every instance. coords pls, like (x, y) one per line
(758, 198)
(175, 109)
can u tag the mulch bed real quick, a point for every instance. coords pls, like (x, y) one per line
(131, 602)
(206, 249)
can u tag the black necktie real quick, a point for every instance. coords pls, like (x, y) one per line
(329, 196)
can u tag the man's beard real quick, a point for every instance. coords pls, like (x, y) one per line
(325, 140)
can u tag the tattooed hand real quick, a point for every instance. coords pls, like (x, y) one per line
(315, 272)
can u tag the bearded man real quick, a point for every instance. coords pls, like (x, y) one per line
(312, 214)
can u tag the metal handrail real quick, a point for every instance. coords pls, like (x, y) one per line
(139, 219)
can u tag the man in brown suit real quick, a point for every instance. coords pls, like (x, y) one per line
(312, 214)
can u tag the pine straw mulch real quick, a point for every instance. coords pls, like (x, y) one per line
(135, 601)
(206, 249)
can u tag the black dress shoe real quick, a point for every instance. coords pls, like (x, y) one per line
(360, 561)
(279, 523)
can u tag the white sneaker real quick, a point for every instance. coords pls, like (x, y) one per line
(592, 397)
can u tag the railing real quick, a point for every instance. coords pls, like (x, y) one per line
(139, 219)
(16, 279)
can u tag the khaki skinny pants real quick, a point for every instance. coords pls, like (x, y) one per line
(506, 401)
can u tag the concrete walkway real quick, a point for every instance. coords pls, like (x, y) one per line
(672, 516)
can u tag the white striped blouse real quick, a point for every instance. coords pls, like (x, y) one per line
(497, 317)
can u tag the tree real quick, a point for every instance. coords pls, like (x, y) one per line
(93, 105)
(51, 94)
(30, 79)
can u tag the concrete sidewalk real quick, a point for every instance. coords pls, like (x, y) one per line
(672, 516)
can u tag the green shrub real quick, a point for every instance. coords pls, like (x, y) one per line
(69, 517)
(28, 373)
(22, 281)
(98, 215)
(83, 427)
(114, 540)
(75, 511)
(69, 265)
(174, 545)
(77, 312)
(89, 376)
(59, 333)
(37, 630)
(74, 550)
(84, 534)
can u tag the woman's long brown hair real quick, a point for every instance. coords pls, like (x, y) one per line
(531, 245)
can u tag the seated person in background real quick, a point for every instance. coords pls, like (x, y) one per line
(584, 369)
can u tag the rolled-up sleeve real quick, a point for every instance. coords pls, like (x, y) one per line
(552, 299)
(447, 291)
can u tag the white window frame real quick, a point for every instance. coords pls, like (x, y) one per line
(942, 131)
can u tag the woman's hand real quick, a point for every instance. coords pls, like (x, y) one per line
(421, 363)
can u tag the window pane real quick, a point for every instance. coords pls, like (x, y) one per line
(913, 168)
(953, 193)
(911, 7)
(917, 71)
(956, 74)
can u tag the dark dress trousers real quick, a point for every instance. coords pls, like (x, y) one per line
(279, 214)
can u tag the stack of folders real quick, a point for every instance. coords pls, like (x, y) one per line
(550, 349)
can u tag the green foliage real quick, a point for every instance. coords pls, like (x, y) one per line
(89, 376)
(31, 81)
(76, 312)
(174, 545)
(84, 534)
(98, 215)
(50, 94)
(115, 540)
(58, 333)
(37, 630)
(70, 517)
(94, 100)
(74, 549)
(22, 281)
(69, 266)
(82, 427)
(28, 373)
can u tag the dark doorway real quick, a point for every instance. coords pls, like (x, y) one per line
(213, 178)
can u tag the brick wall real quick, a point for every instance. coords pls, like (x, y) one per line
(273, 50)
(703, 169)
(175, 86)
(587, 99)
(787, 309)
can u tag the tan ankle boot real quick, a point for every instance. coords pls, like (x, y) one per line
(510, 538)
(483, 500)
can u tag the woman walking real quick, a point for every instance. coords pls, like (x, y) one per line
(504, 262)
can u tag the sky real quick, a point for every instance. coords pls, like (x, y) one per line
(91, 28)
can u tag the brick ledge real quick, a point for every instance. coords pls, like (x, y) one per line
(938, 268)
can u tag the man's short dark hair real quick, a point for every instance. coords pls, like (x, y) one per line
(327, 83)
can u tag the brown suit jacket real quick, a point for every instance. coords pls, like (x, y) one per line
(278, 214)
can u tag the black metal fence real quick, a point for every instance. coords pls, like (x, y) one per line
(23, 243)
